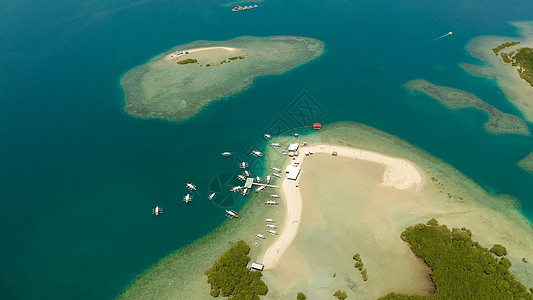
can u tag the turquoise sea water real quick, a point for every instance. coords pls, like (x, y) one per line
(79, 177)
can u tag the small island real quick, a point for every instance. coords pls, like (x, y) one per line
(509, 61)
(519, 57)
(176, 85)
(454, 99)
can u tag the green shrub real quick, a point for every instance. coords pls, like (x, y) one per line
(357, 257)
(340, 295)
(498, 250)
(208, 65)
(229, 276)
(187, 61)
(301, 296)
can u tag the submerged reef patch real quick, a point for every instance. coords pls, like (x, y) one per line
(176, 85)
(454, 99)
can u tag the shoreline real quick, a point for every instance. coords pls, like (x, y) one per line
(399, 174)
(506, 76)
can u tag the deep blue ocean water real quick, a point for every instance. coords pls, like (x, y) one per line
(79, 177)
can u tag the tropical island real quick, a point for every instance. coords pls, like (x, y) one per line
(520, 57)
(177, 84)
(509, 61)
(454, 99)
(347, 213)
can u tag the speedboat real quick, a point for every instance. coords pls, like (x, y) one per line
(212, 196)
(268, 179)
(245, 191)
(257, 179)
(191, 186)
(226, 153)
(247, 173)
(268, 136)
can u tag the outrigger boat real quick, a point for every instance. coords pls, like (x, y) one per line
(268, 179)
(231, 214)
(276, 175)
(241, 177)
(272, 232)
(260, 189)
(243, 165)
(268, 136)
(271, 226)
(245, 191)
(247, 173)
(270, 203)
(257, 153)
(275, 145)
(191, 186)
(187, 198)
(157, 211)
(258, 179)
(270, 220)
(274, 196)
(260, 236)
(235, 188)
(246, 7)
(275, 169)
(212, 196)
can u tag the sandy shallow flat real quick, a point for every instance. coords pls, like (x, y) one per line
(346, 209)
(398, 174)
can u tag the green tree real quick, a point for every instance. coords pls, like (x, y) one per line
(498, 250)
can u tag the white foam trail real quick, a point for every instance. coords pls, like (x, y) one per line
(442, 36)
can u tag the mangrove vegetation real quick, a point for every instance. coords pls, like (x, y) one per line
(230, 277)
(461, 268)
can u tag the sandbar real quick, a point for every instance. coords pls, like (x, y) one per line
(516, 89)
(454, 99)
(398, 174)
(179, 83)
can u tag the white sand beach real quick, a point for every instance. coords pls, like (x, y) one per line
(399, 174)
